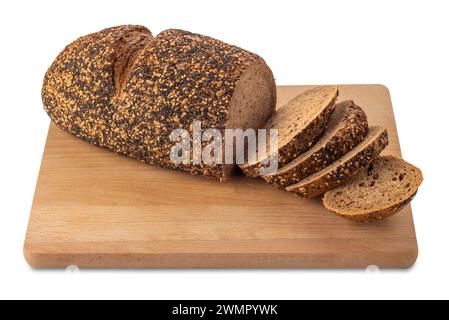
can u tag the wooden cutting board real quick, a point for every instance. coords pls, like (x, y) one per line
(93, 208)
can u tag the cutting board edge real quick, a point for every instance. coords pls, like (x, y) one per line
(49, 255)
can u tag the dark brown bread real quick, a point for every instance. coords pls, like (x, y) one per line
(300, 124)
(344, 168)
(377, 192)
(125, 91)
(347, 127)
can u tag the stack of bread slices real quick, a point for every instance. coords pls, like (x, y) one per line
(327, 148)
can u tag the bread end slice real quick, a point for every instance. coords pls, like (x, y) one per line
(379, 191)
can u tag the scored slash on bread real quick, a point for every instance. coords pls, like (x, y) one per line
(347, 127)
(300, 123)
(345, 167)
(377, 192)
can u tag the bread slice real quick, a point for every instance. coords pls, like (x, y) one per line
(300, 124)
(347, 127)
(377, 192)
(345, 167)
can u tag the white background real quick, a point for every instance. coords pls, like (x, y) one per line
(402, 44)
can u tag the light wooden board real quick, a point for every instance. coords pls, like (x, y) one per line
(93, 208)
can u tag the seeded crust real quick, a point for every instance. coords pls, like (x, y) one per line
(347, 127)
(81, 83)
(377, 192)
(300, 122)
(344, 168)
(127, 95)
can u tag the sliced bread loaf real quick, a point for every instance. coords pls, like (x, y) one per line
(347, 127)
(377, 192)
(345, 167)
(124, 90)
(300, 124)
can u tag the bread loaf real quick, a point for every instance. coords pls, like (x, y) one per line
(124, 90)
(377, 192)
(347, 127)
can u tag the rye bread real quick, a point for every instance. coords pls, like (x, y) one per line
(344, 168)
(377, 192)
(128, 95)
(300, 123)
(347, 127)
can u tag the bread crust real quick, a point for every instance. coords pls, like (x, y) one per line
(350, 131)
(138, 93)
(331, 179)
(79, 88)
(376, 215)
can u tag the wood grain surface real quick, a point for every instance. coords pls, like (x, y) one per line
(93, 208)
